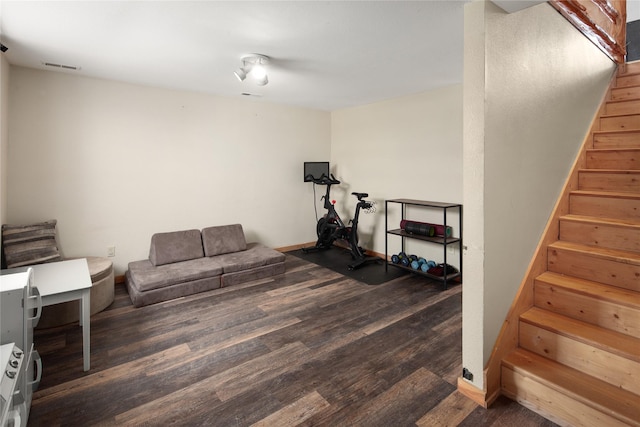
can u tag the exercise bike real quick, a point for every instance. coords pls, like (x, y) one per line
(331, 227)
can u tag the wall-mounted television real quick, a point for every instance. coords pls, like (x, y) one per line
(315, 170)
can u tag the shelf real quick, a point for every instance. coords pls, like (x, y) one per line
(440, 240)
(434, 239)
(425, 203)
(422, 273)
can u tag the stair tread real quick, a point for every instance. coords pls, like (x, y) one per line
(605, 116)
(613, 103)
(603, 150)
(611, 341)
(616, 131)
(616, 171)
(597, 290)
(610, 194)
(617, 255)
(584, 388)
(614, 222)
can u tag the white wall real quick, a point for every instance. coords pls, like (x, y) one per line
(408, 147)
(115, 163)
(543, 82)
(473, 296)
(4, 135)
(633, 10)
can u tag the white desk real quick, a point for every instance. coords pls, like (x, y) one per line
(68, 281)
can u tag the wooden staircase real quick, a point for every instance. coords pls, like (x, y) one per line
(578, 355)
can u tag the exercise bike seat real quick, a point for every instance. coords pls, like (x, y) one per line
(360, 196)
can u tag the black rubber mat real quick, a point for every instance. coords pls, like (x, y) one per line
(338, 260)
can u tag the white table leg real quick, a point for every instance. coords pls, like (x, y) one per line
(86, 324)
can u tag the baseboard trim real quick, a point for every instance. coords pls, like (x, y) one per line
(472, 392)
(294, 247)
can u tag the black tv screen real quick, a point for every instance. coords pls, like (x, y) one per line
(314, 170)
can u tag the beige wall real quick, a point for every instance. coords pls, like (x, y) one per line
(542, 82)
(408, 147)
(115, 163)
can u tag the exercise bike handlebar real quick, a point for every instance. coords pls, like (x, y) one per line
(325, 180)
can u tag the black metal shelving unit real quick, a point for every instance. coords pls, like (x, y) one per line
(440, 240)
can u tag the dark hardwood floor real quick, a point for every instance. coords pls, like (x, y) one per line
(309, 347)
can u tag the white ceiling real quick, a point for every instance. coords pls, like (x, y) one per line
(326, 55)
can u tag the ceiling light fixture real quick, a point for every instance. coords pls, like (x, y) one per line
(241, 73)
(253, 65)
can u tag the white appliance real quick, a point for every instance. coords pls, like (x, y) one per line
(12, 403)
(20, 309)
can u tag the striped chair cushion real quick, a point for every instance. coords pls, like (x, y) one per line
(30, 244)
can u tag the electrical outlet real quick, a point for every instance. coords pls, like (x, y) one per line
(111, 251)
(466, 374)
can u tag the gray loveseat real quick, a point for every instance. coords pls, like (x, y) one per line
(187, 262)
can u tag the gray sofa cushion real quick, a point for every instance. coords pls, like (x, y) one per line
(178, 290)
(230, 279)
(256, 255)
(30, 244)
(175, 246)
(223, 239)
(146, 276)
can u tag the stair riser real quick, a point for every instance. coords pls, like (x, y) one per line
(623, 107)
(551, 403)
(625, 93)
(628, 182)
(628, 80)
(600, 235)
(629, 68)
(613, 369)
(630, 139)
(613, 159)
(620, 122)
(587, 308)
(585, 266)
(605, 207)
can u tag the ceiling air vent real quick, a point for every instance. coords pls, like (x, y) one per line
(61, 66)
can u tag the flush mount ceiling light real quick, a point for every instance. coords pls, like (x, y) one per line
(253, 65)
